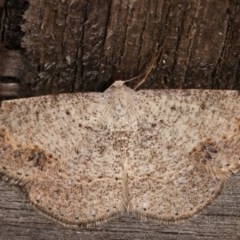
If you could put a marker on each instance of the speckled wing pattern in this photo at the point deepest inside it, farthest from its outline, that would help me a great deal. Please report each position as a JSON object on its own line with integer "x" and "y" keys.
{"x": 86, "y": 157}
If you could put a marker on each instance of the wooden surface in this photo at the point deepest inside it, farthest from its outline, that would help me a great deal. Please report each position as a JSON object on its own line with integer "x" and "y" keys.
{"x": 85, "y": 45}
{"x": 221, "y": 220}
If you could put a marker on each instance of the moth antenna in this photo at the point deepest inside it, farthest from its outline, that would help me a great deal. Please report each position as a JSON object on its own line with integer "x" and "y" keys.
{"x": 146, "y": 75}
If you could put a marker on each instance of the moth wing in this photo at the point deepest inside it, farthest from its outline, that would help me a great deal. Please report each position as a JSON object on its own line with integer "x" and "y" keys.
{"x": 56, "y": 147}
{"x": 187, "y": 144}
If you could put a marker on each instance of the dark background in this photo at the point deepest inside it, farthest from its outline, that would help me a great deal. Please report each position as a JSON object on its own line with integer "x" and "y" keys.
{"x": 72, "y": 46}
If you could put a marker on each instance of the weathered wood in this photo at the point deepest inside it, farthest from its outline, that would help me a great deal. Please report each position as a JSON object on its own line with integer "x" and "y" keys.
{"x": 221, "y": 220}
{"x": 85, "y": 45}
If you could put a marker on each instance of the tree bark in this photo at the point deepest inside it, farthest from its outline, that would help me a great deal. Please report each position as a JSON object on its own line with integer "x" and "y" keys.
{"x": 85, "y": 45}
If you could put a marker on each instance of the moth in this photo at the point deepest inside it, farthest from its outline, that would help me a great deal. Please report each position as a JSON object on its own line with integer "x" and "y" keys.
{"x": 84, "y": 158}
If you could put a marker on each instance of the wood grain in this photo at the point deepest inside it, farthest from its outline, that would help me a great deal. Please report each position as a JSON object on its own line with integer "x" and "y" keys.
{"x": 19, "y": 220}
{"x": 85, "y": 45}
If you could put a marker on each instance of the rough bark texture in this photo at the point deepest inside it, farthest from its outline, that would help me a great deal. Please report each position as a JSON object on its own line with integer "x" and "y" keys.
{"x": 83, "y": 45}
